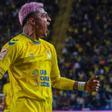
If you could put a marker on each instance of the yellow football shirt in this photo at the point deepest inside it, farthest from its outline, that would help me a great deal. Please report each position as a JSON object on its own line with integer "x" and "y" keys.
{"x": 32, "y": 67}
{"x": 8, "y": 96}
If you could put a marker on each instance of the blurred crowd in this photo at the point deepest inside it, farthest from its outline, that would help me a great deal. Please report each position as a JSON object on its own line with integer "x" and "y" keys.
{"x": 87, "y": 50}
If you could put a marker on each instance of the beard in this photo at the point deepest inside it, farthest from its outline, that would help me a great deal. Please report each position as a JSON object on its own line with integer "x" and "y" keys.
{"x": 42, "y": 31}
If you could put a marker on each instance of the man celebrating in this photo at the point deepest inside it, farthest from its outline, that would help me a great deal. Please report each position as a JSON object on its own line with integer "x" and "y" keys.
{"x": 32, "y": 64}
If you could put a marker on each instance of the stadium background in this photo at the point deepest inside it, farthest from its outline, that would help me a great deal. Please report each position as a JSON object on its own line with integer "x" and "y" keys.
{"x": 81, "y": 30}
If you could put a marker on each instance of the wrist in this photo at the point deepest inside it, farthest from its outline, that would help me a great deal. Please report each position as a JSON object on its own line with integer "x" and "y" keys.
{"x": 75, "y": 87}
{"x": 79, "y": 85}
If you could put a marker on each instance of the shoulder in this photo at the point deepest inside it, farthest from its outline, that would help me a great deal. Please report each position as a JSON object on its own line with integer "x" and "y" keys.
{"x": 50, "y": 46}
{"x": 17, "y": 40}
{"x": 46, "y": 43}
{"x": 14, "y": 44}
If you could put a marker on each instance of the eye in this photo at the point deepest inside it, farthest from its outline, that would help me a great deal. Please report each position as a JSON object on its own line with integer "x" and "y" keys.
{"x": 44, "y": 15}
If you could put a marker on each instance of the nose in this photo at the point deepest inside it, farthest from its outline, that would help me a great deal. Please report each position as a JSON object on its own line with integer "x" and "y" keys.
{"x": 48, "y": 20}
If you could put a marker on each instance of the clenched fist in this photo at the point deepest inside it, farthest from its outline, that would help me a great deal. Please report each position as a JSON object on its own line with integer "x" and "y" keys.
{"x": 92, "y": 85}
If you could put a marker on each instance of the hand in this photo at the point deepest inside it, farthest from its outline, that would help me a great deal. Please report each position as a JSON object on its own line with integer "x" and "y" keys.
{"x": 92, "y": 85}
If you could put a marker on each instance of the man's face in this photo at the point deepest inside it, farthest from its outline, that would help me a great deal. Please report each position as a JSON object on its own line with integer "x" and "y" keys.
{"x": 42, "y": 20}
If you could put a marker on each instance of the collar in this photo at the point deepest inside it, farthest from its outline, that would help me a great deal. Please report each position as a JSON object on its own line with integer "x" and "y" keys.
{"x": 35, "y": 41}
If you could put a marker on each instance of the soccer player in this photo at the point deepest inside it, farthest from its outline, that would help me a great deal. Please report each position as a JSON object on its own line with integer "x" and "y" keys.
{"x": 32, "y": 64}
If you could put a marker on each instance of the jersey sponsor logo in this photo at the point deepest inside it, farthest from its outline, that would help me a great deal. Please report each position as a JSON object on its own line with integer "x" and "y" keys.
{"x": 12, "y": 42}
{"x": 43, "y": 72}
{"x": 3, "y": 53}
{"x": 45, "y": 84}
{"x": 44, "y": 78}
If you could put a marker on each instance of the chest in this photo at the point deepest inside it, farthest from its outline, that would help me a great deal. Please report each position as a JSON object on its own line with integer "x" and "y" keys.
{"x": 35, "y": 56}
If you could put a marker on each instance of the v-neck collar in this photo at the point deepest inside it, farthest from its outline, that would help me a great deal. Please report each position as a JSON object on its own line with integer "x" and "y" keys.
{"x": 35, "y": 41}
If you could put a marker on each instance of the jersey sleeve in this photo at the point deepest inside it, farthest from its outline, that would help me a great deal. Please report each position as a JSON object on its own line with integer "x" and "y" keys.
{"x": 58, "y": 81}
{"x": 5, "y": 89}
{"x": 8, "y": 55}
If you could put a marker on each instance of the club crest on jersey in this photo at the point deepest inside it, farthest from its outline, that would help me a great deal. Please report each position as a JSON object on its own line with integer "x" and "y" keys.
{"x": 12, "y": 42}
{"x": 3, "y": 53}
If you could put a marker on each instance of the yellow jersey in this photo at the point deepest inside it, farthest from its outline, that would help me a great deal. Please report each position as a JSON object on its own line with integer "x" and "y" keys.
{"x": 32, "y": 67}
{"x": 7, "y": 95}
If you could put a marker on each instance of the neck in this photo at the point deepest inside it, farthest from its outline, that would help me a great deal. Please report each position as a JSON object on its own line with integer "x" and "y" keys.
{"x": 29, "y": 31}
